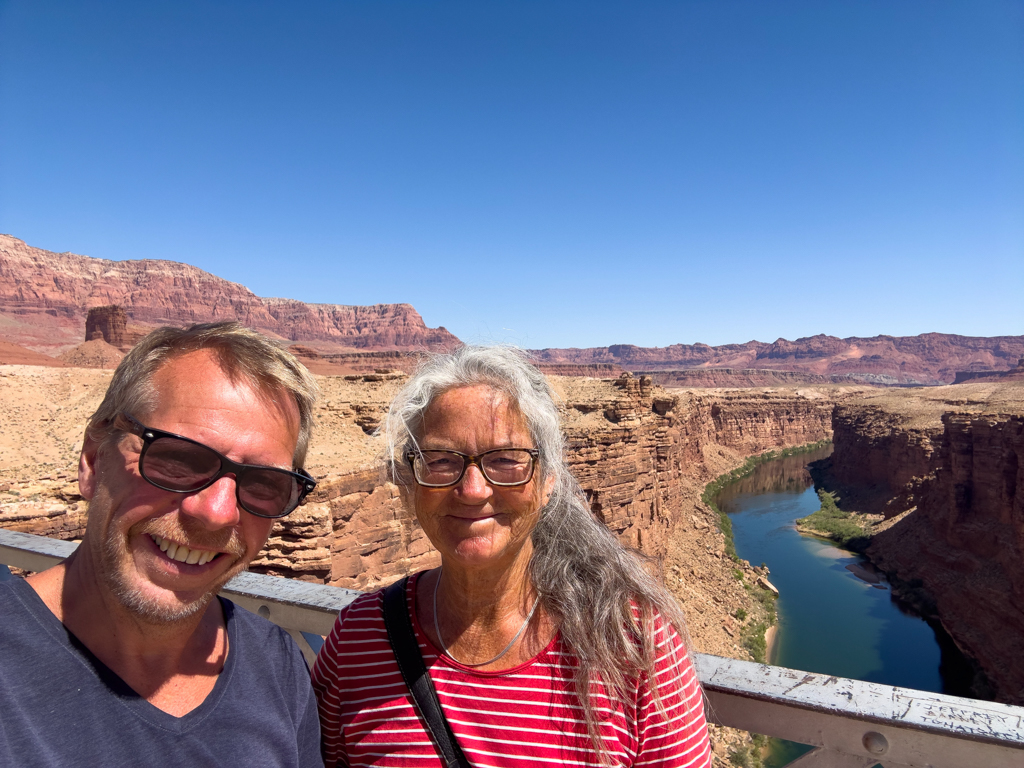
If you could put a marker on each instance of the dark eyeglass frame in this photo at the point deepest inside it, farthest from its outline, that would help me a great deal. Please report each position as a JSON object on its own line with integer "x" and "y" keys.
{"x": 305, "y": 481}
{"x": 468, "y": 460}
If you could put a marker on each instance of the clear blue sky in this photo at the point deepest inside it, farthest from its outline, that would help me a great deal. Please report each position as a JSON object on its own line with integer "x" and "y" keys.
{"x": 542, "y": 173}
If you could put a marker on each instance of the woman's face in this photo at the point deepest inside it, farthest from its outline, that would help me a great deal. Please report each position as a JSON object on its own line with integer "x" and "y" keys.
{"x": 474, "y": 524}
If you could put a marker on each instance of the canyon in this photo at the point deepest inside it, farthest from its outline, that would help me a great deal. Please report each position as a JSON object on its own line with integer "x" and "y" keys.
{"x": 642, "y": 453}
{"x": 945, "y": 467}
{"x": 646, "y": 429}
{"x": 45, "y": 299}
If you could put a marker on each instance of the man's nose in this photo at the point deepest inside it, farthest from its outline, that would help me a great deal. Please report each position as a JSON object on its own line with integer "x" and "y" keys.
{"x": 215, "y": 507}
{"x": 474, "y": 486}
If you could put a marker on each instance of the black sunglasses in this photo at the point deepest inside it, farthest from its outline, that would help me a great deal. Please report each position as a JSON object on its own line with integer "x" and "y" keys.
{"x": 175, "y": 463}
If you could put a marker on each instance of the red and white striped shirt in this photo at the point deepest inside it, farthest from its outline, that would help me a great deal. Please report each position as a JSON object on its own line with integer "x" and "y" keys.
{"x": 519, "y": 717}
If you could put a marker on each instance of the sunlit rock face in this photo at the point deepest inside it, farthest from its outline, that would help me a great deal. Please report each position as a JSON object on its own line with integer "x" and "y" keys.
{"x": 638, "y": 450}
{"x": 947, "y": 466}
{"x": 45, "y": 298}
{"x": 931, "y": 358}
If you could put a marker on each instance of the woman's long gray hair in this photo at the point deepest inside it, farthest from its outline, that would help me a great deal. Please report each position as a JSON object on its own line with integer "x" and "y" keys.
{"x": 604, "y": 596}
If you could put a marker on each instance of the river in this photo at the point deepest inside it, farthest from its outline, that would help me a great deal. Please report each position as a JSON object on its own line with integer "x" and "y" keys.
{"x": 837, "y": 616}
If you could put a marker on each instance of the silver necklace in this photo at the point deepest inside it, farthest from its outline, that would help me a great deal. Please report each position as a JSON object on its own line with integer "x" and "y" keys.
{"x": 444, "y": 648}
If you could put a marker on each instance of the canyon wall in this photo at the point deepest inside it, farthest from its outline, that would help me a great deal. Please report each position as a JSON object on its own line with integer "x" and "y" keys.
{"x": 638, "y": 451}
{"x": 45, "y": 296}
{"x": 951, "y": 463}
{"x": 931, "y": 358}
{"x": 716, "y": 378}
{"x": 642, "y": 454}
{"x": 880, "y": 457}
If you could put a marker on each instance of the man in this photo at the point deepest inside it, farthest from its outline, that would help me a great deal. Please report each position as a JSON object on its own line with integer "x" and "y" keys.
{"x": 122, "y": 655}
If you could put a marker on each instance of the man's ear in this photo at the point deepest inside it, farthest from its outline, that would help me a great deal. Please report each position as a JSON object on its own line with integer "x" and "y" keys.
{"x": 87, "y": 468}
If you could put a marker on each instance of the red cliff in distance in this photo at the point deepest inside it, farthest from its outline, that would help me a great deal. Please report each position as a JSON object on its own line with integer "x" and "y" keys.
{"x": 931, "y": 358}
{"x": 45, "y": 298}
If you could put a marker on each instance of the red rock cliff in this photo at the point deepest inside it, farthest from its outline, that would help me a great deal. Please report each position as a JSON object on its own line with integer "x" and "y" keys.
{"x": 931, "y": 358}
{"x": 44, "y": 297}
{"x": 961, "y": 474}
{"x": 637, "y": 450}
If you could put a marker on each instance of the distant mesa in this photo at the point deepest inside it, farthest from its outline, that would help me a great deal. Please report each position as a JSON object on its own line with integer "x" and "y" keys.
{"x": 983, "y": 375}
{"x": 928, "y": 359}
{"x": 46, "y": 299}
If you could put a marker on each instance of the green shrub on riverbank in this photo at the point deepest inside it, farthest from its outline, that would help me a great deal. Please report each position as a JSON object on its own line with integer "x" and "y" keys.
{"x": 752, "y": 637}
{"x": 711, "y": 489}
{"x": 831, "y": 522}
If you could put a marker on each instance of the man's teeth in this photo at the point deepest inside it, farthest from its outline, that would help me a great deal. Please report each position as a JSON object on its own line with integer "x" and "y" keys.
{"x": 183, "y": 554}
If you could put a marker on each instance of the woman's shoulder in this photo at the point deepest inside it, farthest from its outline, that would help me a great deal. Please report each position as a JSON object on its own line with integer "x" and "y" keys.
{"x": 358, "y": 637}
{"x": 367, "y": 609}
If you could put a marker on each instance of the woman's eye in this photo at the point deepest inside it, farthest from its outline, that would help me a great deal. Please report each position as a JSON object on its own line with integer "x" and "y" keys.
{"x": 440, "y": 463}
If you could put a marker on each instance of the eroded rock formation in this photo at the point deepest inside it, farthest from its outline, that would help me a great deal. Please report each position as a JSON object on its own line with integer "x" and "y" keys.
{"x": 110, "y": 324}
{"x": 44, "y": 298}
{"x": 947, "y": 465}
{"x": 931, "y": 358}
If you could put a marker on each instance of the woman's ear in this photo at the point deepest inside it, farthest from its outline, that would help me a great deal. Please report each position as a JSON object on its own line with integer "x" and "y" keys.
{"x": 547, "y": 490}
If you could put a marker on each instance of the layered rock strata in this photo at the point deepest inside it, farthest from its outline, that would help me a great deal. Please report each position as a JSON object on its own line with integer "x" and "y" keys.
{"x": 947, "y": 466}
{"x": 109, "y": 324}
{"x": 640, "y": 452}
{"x": 931, "y": 358}
{"x": 717, "y": 378}
{"x": 44, "y": 298}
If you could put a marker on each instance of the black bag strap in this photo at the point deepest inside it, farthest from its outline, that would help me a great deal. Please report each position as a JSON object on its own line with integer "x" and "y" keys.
{"x": 414, "y": 672}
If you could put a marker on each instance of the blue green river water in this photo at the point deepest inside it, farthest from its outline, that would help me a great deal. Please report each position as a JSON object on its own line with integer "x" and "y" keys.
{"x": 830, "y": 620}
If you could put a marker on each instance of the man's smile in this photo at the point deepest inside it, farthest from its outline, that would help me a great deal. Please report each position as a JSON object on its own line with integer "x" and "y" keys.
{"x": 182, "y": 553}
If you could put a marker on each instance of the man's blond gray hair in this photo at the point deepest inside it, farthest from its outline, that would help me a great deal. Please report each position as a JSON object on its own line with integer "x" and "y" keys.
{"x": 243, "y": 354}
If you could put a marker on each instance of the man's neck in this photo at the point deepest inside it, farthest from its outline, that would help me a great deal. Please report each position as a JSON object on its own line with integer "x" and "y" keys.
{"x": 173, "y": 665}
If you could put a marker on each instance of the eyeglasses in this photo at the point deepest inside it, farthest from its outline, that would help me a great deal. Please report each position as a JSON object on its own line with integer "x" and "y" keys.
{"x": 175, "y": 463}
{"x": 502, "y": 466}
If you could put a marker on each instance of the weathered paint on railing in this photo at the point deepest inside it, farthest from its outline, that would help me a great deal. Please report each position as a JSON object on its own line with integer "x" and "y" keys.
{"x": 860, "y": 724}
{"x": 852, "y": 723}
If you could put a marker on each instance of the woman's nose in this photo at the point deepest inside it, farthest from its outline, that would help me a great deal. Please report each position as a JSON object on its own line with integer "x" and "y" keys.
{"x": 474, "y": 485}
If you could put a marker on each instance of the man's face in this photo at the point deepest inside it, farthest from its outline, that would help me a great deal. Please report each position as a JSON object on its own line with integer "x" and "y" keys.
{"x": 133, "y": 527}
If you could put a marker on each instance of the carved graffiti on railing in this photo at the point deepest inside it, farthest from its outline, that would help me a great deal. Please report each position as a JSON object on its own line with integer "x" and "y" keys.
{"x": 854, "y": 723}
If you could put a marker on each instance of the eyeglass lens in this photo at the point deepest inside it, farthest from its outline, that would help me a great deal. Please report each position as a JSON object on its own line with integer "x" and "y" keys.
{"x": 502, "y": 467}
{"x": 180, "y": 465}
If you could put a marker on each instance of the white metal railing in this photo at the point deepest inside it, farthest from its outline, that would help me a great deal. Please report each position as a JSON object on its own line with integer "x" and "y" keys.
{"x": 851, "y": 723}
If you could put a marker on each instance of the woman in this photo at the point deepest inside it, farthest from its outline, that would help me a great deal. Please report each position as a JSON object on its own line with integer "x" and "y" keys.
{"x": 545, "y": 639}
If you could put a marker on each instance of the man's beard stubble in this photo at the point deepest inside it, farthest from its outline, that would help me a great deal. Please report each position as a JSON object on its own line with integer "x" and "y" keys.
{"x": 116, "y": 568}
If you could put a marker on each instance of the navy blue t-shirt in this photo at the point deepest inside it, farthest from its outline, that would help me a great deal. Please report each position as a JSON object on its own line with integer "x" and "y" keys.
{"x": 61, "y": 706}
